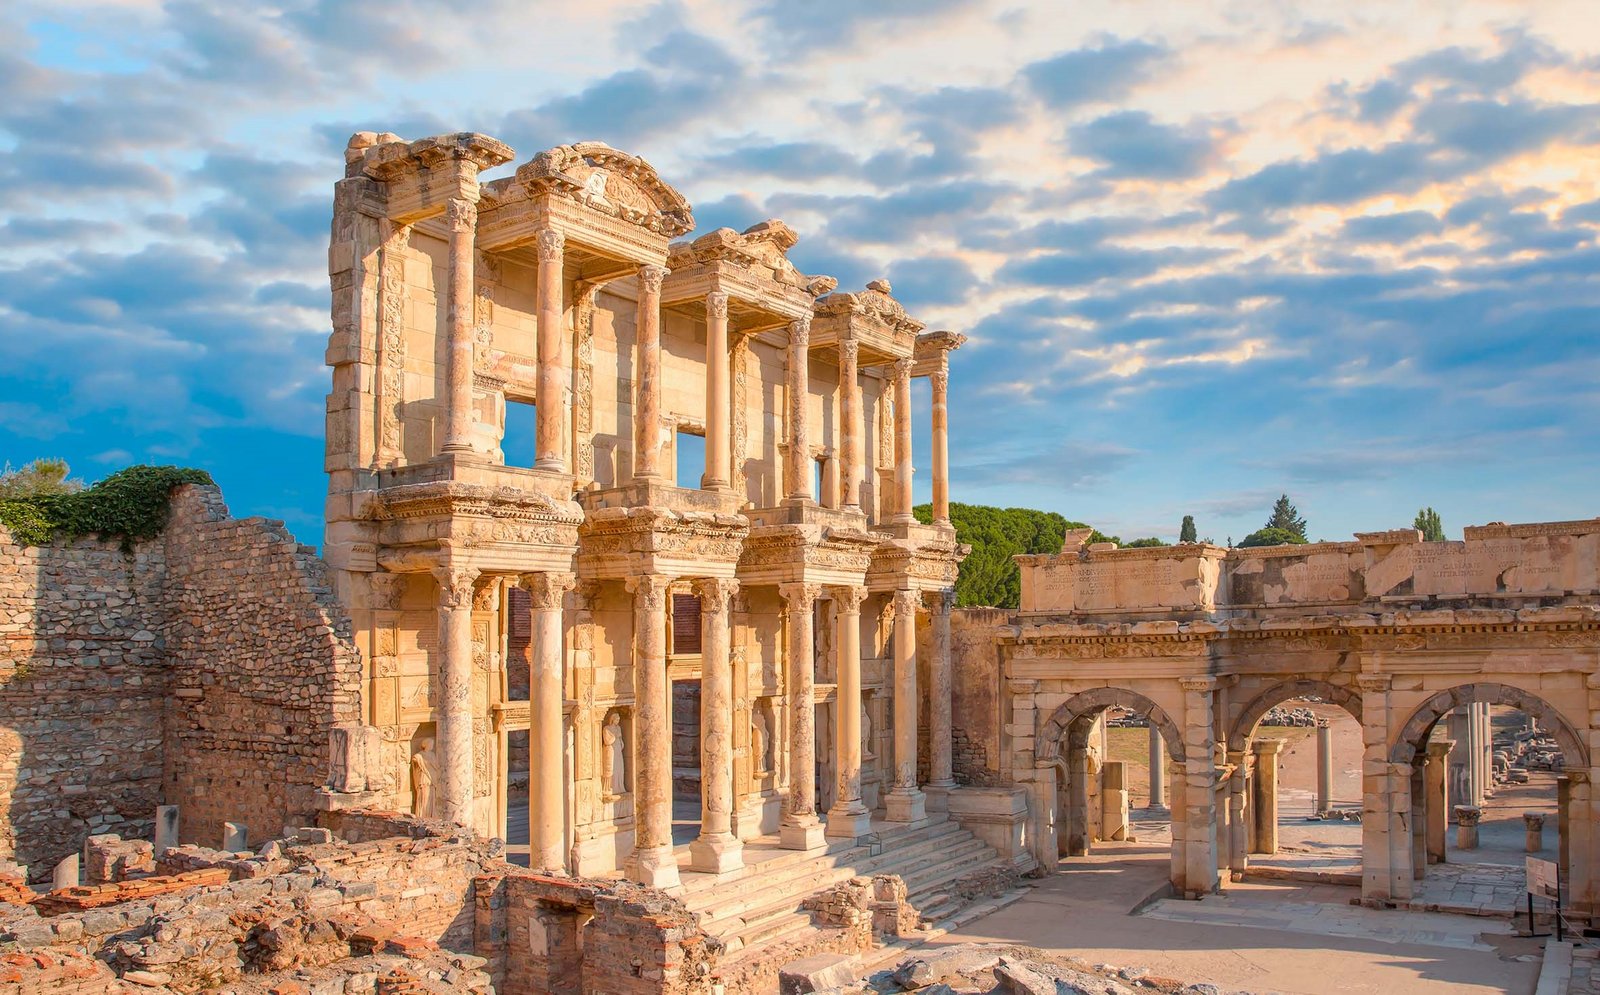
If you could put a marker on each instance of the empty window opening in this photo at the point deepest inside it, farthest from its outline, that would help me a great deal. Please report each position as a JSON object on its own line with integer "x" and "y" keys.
{"x": 522, "y": 425}
{"x": 691, "y": 463}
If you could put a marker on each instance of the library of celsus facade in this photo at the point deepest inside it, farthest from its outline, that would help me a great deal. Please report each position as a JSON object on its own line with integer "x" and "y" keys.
{"x": 521, "y": 368}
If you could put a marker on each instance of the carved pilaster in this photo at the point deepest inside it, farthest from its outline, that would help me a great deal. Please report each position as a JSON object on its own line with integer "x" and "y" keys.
{"x": 391, "y": 343}
{"x": 583, "y": 382}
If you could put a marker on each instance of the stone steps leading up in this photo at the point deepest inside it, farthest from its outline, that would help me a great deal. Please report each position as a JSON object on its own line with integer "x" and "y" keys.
{"x": 762, "y": 904}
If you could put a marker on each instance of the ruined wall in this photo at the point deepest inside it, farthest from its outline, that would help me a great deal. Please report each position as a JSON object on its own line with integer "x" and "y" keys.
{"x": 262, "y": 666}
{"x": 975, "y": 698}
{"x": 81, "y": 686}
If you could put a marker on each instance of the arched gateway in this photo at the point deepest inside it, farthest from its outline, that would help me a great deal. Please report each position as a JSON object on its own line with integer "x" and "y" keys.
{"x": 1398, "y": 632}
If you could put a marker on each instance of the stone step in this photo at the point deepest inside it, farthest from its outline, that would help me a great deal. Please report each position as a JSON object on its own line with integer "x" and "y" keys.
{"x": 807, "y": 879}
{"x": 768, "y": 870}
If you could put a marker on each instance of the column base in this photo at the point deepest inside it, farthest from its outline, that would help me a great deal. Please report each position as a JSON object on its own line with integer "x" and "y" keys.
{"x": 656, "y": 867}
{"x": 937, "y": 795}
{"x": 846, "y": 823}
{"x": 802, "y": 835}
{"x": 718, "y": 853}
{"x": 905, "y": 805}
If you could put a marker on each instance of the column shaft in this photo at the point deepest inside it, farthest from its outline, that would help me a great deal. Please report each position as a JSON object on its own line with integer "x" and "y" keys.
{"x": 1158, "y": 768}
{"x": 1436, "y": 799}
{"x": 797, "y": 469}
{"x": 905, "y": 802}
{"x": 848, "y": 818}
{"x": 801, "y": 829}
{"x": 1266, "y": 794}
{"x": 550, "y": 433}
{"x": 850, "y": 451}
{"x": 547, "y": 740}
{"x": 1199, "y": 788}
{"x": 461, "y": 217}
{"x": 718, "y": 410}
{"x": 941, "y": 444}
{"x": 716, "y": 850}
{"x": 1324, "y": 766}
{"x": 647, "y": 405}
{"x": 903, "y": 469}
{"x": 940, "y": 734}
{"x": 1238, "y": 816}
{"x": 453, "y": 711}
{"x": 652, "y": 862}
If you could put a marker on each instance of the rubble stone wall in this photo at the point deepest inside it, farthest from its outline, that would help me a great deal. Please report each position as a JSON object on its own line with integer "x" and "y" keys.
{"x": 975, "y": 697}
{"x": 262, "y": 667}
{"x": 82, "y": 680}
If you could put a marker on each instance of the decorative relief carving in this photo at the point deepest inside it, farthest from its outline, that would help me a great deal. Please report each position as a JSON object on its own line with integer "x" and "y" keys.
{"x": 939, "y": 602}
{"x": 455, "y": 586}
{"x": 716, "y": 594}
{"x": 391, "y": 343}
{"x": 650, "y": 277}
{"x": 546, "y": 591}
{"x": 551, "y": 242}
{"x": 717, "y": 305}
{"x": 386, "y": 590}
{"x": 799, "y": 598}
{"x": 583, "y": 309}
{"x": 940, "y": 379}
{"x": 848, "y": 599}
{"x": 483, "y": 359}
{"x": 649, "y": 593}
{"x": 460, "y": 215}
{"x": 741, "y": 428}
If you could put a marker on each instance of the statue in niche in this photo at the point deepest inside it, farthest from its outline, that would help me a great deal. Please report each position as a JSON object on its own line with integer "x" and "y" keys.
{"x": 761, "y": 740}
{"x": 614, "y": 757}
{"x": 424, "y": 772}
{"x": 866, "y": 734}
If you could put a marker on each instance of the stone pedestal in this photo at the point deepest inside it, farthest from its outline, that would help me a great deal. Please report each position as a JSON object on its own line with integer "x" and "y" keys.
{"x": 1266, "y": 794}
{"x": 1113, "y": 801}
{"x": 235, "y": 837}
{"x": 166, "y": 828}
{"x": 1534, "y": 823}
{"x": 1467, "y": 817}
{"x": 66, "y": 873}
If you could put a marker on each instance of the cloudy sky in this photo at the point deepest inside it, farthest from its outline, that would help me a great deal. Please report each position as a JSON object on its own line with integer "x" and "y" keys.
{"x": 1205, "y": 252}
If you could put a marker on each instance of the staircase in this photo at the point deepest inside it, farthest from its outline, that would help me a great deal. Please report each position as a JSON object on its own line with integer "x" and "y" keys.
{"x": 761, "y": 903}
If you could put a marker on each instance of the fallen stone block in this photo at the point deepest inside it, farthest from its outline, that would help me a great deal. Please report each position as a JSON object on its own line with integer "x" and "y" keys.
{"x": 816, "y": 973}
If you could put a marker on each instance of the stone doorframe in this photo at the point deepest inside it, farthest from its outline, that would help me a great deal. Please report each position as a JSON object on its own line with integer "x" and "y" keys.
{"x": 1070, "y": 724}
{"x": 1575, "y": 817}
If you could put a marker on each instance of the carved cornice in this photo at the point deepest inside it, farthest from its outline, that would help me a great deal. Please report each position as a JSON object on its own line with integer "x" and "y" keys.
{"x": 568, "y": 171}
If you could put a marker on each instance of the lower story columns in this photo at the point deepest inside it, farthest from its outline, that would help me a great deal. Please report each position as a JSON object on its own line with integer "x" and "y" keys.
{"x": 652, "y": 861}
{"x": 848, "y": 818}
{"x": 547, "y": 738}
{"x": 801, "y": 829}
{"x": 716, "y": 849}
{"x": 453, "y": 710}
{"x": 904, "y": 801}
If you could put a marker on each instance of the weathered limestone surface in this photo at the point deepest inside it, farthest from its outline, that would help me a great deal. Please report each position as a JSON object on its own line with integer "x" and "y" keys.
{"x": 203, "y": 668}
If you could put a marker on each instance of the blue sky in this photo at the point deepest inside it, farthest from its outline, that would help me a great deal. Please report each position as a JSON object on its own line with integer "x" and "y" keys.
{"x": 1205, "y": 252}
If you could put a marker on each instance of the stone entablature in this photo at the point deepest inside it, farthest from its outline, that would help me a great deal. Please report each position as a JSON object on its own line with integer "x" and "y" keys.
{"x": 1494, "y": 565}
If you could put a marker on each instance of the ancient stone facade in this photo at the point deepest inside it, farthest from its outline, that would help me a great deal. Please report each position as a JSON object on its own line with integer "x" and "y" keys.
{"x": 1203, "y": 641}
{"x": 791, "y": 552}
{"x": 203, "y": 669}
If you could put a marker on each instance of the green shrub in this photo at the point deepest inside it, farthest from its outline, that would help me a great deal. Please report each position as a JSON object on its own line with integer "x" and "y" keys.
{"x": 130, "y": 505}
{"x": 1272, "y": 537}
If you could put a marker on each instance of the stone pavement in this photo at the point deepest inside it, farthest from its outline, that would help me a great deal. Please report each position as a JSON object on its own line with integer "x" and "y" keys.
{"x": 1473, "y": 890}
{"x": 1297, "y": 914}
{"x": 1585, "y": 979}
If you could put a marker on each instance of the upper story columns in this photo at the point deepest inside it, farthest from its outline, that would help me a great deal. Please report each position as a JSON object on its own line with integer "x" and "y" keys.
{"x": 718, "y": 475}
{"x": 554, "y": 383}
{"x": 850, "y": 422}
{"x": 796, "y": 469}
{"x": 903, "y": 469}
{"x": 647, "y": 404}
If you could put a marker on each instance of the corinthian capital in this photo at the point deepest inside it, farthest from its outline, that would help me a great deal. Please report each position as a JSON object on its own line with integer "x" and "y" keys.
{"x": 907, "y": 601}
{"x": 848, "y": 599}
{"x": 715, "y": 594}
{"x": 849, "y": 350}
{"x": 717, "y": 304}
{"x": 940, "y": 380}
{"x": 649, "y": 592}
{"x": 455, "y": 586}
{"x": 939, "y": 602}
{"x": 799, "y": 597}
{"x": 547, "y": 591}
{"x": 552, "y": 242}
{"x": 902, "y": 370}
{"x": 650, "y": 277}
{"x": 460, "y": 214}
{"x": 800, "y": 332}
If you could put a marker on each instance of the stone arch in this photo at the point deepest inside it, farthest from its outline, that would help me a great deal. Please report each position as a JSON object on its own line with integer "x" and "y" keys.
{"x": 1239, "y": 737}
{"x": 1060, "y": 723}
{"x": 1427, "y": 714}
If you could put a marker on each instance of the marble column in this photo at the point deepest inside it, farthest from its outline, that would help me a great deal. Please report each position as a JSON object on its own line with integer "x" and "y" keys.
{"x": 797, "y": 466}
{"x": 546, "y": 739}
{"x": 1199, "y": 787}
{"x": 848, "y": 818}
{"x": 1324, "y": 766}
{"x": 554, "y": 385}
{"x": 652, "y": 861}
{"x": 1158, "y": 768}
{"x": 940, "y": 380}
{"x": 1078, "y": 837}
{"x": 1467, "y": 817}
{"x": 717, "y": 849}
{"x": 903, "y": 469}
{"x": 801, "y": 829}
{"x": 461, "y": 219}
{"x": 453, "y": 710}
{"x": 1436, "y": 799}
{"x": 904, "y": 801}
{"x": 1266, "y": 793}
{"x": 718, "y": 407}
{"x": 941, "y": 774}
{"x": 1238, "y": 814}
{"x": 647, "y": 403}
{"x": 850, "y": 420}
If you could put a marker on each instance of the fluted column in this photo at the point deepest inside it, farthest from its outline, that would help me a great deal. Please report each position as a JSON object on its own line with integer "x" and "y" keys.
{"x": 718, "y": 410}
{"x": 940, "y": 379}
{"x": 546, "y": 743}
{"x": 797, "y": 468}
{"x": 453, "y": 710}
{"x": 647, "y": 405}
{"x": 801, "y": 829}
{"x": 902, "y": 443}
{"x": 652, "y": 862}
{"x": 716, "y": 849}
{"x": 852, "y": 432}
{"x": 550, "y": 434}
{"x": 461, "y": 218}
{"x": 905, "y": 802}
{"x": 848, "y": 818}
{"x": 941, "y": 774}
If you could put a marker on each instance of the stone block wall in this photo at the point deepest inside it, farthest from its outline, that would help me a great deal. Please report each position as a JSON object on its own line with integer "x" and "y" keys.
{"x": 262, "y": 666}
{"x": 976, "y": 699}
{"x": 82, "y": 681}
{"x": 203, "y": 669}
